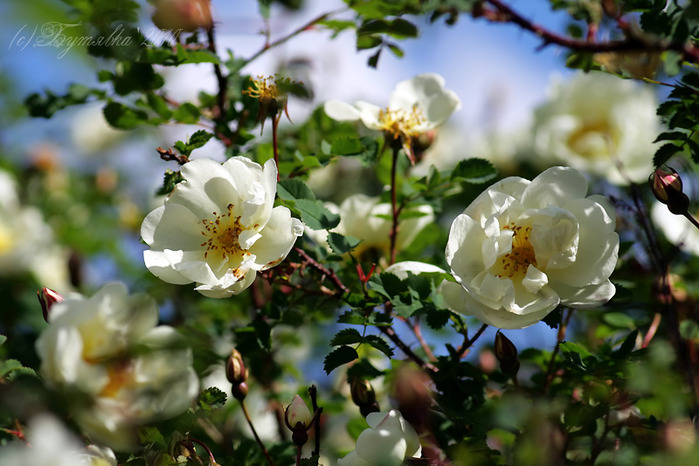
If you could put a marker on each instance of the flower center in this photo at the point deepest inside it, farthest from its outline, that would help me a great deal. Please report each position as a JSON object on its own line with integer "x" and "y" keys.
{"x": 401, "y": 122}
{"x": 119, "y": 373}
{"x": 262, "y": 88}
{"x": 593, "y": 139}
{"x": 222, "y": 233}
{"x": 517, "y": 261}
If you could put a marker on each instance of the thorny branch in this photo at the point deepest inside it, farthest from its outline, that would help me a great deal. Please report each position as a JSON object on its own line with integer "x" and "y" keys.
{"x": 504, "y": 13}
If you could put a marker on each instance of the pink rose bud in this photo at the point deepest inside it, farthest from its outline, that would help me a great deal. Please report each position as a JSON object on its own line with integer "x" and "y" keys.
{"x": 47, "y": 298}
{"x": 667, "y": 188}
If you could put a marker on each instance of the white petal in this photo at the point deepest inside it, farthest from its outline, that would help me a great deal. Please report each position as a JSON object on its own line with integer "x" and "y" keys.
{"x": 172, "y": 226}
{"x": 160, "y": 266}
{"x": 555, "y": 186}
{"x": 278, "y": 237}
{"x": 401, "y": 269}
{"x": 597, "y": 249}
{"x": 341, "y": 111}
{"x": 585, "y": 297}
{"x": 464, "y": 235}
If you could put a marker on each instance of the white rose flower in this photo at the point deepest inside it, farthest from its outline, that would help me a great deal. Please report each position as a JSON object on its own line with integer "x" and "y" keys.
{"x": 388, "y": 441}
{"x": 676, "y": 228}
{"x": 365, "y": 218}
{"x": 50, "y": 443}
{"x": 109, "y": 348}
{"x": 601, "y": 124}
{"x": 522, "y": 248}
{"x": 416, "y": 106}
{"x": 219, "y": 227}
{"x": 26, "y": 241}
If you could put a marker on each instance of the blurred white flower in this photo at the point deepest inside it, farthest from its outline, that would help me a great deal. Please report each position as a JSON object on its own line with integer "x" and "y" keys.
{"x": 90, "y": 131}
{"x": 416, "y": 106}
{"x": 109, "y": 348}
{"x": 26, "y": 241}
{"x": 676, "y": 228}
{"x": 522, "y": 247}
{"x": 601, "y": 124}
{"x": 388, "y": 441}
{"x": 50, "y": 443}
{"x": 368, "y": 219}
{"x": 219, "y": 227}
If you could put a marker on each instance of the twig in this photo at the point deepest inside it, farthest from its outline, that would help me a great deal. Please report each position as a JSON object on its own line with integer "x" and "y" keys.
{"x": 561, "y": 336}
{"x": 313, "y": 392}
{"x": 425, "y": 347}
{"x": 651, "y": 330}
{"x": 504, "y": 13}
{"x": 391, "y": 334}
{"x": 468, "y": 343}
{"x": 208, "y": 451}
{"x": 291, "y": 35}
{"x": 254, "y": 433}
{"x": 393, "y": 235}
{"x": 325, "y": 271}
{"x": 221, "y": 79}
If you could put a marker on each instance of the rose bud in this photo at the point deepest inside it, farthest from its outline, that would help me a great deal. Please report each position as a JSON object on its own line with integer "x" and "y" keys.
{"x": 667, "y": 188}
{"x": 47, "y": 298}
{"x": 506, "y": 352}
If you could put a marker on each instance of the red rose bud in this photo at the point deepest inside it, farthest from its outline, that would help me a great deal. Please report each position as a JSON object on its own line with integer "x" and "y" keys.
{"x": 47, "y": 298}
{"x": 236, "y": 372}
{"x": 667, "y": 188}
{"x": 506, "y": 352}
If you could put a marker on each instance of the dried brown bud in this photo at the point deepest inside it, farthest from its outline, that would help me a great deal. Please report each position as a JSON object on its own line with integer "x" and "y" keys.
{"x": 236, "y": 372}
{"x": 47, "y": 298}
{"x": 667, "y": 188}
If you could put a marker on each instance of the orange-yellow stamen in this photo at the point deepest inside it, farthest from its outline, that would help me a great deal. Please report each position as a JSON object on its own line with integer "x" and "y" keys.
{"x": 222, "y": 233}
{"x": 517, "y": 261}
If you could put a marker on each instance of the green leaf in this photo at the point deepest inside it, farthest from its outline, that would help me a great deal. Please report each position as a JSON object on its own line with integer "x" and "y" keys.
{"x": 315, "y": 215}
{"x": 368, "y": 42}
{"x": 437, "y": 318}
{"x": 664, "y": 153}
{"x": 380, "y": 344}
{"x": 347, "y": 336}
{"x": 187, "y": 113}
{"x": 211, "y": 398}
{"x": 346, "y": 146}
{"x": 151, "y": 436}
{"x": 338, "y": 357}
{"x": 170, "y": 180}
{"x": 618, "y": 319}
{"x": 199, "y": 139}
{"x": 474, "y": 170}
{"x": 292, "y": 189}
{"x": 627, "y": 346}
{"x": 122, "y": 117}
{"x": 401, "y": 28}
{"x": 341, "y": 244}
{"x": 373, "y": 60}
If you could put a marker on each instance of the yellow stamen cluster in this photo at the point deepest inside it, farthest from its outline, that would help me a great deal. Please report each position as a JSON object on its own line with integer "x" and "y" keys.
{"x": 120, "y": 376}
{"x": 263, "y": 88}
{"x": 517, "y": 261}
{"x": 400, "y": 122}
{"x": 222, "y": 233}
